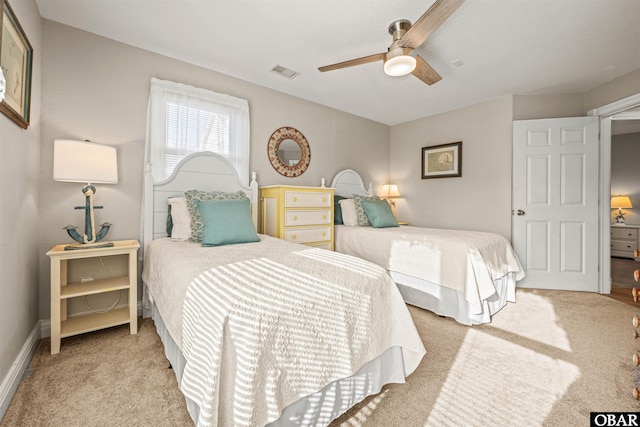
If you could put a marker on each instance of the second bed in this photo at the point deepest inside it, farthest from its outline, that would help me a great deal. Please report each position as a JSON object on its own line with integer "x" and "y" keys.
{"x": 466, "y": 275}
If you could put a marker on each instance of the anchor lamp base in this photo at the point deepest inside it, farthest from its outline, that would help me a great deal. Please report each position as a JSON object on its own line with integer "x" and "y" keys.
{"x": 89, "y": 240}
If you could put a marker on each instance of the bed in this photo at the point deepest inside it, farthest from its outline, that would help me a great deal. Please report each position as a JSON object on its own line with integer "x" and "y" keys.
{"x": 466, "y": 275}
{"x": 268, "y": 332}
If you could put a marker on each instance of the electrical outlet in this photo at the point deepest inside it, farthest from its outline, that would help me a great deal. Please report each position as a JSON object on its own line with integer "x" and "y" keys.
{"x": 86, "y": 279}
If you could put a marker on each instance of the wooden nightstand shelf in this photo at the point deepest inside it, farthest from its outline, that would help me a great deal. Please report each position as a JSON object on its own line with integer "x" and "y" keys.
{"x": 62, "y": 291}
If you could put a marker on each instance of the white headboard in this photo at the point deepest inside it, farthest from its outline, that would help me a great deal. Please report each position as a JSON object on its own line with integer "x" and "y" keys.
{"x": 348, "y": 182}
{"x": 203, "y": 171}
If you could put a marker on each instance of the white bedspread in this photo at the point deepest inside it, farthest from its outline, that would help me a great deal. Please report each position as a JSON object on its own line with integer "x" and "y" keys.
{"x": 467, "y": 261}
{"x": 264, "y": 324}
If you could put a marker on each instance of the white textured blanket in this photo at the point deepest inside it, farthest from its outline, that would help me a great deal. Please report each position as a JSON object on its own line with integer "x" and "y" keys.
{"x": 467, "y": 261}
{"x": 264, "y": 324}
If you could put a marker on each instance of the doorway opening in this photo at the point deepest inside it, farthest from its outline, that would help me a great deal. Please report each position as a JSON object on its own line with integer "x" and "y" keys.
{"x": 614, "y": 118}
{"x": 625, "y": 191}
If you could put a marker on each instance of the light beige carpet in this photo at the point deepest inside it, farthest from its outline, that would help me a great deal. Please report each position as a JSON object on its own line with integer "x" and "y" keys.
{"x": 547, "y": 360}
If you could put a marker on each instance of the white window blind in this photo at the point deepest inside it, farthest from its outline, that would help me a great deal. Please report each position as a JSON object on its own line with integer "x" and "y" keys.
{"x": 184, "y": 119}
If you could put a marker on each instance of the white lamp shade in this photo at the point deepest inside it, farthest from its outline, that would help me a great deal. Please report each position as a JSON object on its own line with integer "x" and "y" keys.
{"x": 390, "y": 190}
{"x": 79, "y": 161}
{"x": 621, "y": 202}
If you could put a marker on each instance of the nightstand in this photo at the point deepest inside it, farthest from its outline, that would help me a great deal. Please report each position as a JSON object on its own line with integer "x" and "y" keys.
{"x": 62, "y": 291}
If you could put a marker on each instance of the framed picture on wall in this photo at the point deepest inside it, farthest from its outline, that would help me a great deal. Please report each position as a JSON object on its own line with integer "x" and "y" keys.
{"x": 16, "y": 60}
{"x": 442, "y": 161}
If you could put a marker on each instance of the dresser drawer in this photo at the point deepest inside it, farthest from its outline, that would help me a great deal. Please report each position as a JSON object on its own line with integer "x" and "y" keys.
{"x": 306, "y": 235}
{"x": 315, "y": 217}
{"x": 623, "y": 246}
{"x": 622, "y": 233}
{"x": 305, "y": 199}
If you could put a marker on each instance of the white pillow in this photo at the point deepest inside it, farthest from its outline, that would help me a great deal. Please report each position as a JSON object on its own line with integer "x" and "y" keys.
{"x": 349, "y": 215}
{"x": 180, "y": 218}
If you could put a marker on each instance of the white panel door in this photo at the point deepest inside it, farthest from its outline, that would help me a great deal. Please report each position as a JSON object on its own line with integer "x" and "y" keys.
{"x": 555, "y": 202}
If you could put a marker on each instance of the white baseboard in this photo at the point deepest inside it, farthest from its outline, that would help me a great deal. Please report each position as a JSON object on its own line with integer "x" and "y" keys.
{"x": 10, "y": 383}
{"x": 45, "y": 328}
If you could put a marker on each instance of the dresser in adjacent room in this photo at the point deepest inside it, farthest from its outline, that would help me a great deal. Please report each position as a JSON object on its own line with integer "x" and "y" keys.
{"x": 298, "y": 214}
{"x": 624, "y": 240}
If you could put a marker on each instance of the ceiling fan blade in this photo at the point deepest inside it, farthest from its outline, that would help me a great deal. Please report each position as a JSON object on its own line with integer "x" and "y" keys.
{"x": 424, "y": 72}
{"x": 351, "y": 63}
{"x": 429, "y": 22}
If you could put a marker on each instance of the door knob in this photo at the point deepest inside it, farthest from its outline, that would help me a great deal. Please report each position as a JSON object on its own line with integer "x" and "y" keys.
{"x": 519, "y": 212}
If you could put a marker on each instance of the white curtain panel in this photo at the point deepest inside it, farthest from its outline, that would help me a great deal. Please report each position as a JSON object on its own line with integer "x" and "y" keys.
{"x": 183, "y": 119}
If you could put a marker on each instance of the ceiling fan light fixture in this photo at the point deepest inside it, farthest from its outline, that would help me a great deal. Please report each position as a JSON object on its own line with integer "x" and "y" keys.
{"x": 399, "y": 63}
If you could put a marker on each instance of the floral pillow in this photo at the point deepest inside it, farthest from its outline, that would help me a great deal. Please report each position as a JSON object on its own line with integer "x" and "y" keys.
{"x": 193, "y": 197}
{"x": 363, "y": 219}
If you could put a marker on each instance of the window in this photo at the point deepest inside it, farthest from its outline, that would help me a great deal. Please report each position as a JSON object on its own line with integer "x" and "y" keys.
{"x": 184, "y": 120}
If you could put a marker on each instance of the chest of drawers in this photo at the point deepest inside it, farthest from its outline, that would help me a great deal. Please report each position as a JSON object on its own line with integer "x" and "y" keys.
{"x": 298, "y": 214}
{"x": 624, "y": 240}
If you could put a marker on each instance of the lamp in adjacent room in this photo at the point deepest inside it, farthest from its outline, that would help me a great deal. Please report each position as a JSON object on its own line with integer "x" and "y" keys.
{"x": 89, "y": 163}
{"x": 620, "y": 202}
{"x": 389, "y": 192}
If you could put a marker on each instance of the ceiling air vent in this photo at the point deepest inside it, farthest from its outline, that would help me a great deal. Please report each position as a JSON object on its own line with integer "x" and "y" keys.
{"x": 285, "y": 72}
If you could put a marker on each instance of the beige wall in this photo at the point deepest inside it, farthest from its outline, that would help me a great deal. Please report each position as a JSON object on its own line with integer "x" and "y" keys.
{"x": 98, "y": 89}
{"x": 612, "y": 91}
{"x": 478, "y": 200}
{"x": 19, "y": 191}
{"x": 530, "y": 107}
{"x": 481, "y": 198}
{"x": 625, "y": 173}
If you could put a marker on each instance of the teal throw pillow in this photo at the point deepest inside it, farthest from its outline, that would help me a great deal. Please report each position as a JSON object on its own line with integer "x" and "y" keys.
{"x": 169, "y": 222}
{"x": 195, "y": 196}
{"x": 337, "y": 210}
{"x": 363, "y": 219}
{"x": 379, "y": 213}
{"x": 227, "y": 222}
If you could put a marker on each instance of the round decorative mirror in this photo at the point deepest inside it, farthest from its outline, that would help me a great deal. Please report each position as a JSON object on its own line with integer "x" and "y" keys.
{"x": 289, "y": 152}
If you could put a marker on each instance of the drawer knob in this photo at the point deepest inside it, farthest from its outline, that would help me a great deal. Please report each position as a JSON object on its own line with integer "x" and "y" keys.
{"x": 324, "y": 199}
{"x": 295, "y": 199}
{"x": 324, "y": 234}
{"x": 293, "y": 236}
{"x": 324, "y": 217}
{"x": 295, "y": 218}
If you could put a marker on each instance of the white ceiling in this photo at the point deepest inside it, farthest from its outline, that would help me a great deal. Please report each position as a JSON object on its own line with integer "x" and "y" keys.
{"x": 506, "y": 46}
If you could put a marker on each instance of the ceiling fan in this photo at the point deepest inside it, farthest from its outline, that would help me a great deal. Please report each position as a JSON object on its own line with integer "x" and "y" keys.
{"x": 398, "y": 60}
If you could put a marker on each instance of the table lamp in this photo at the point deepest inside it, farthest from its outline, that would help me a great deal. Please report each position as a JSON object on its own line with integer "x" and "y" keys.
{"x": 390, "y": 191}
{"x": 90, "y": 163}
{"x": 620, "y": 202}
